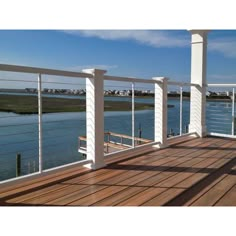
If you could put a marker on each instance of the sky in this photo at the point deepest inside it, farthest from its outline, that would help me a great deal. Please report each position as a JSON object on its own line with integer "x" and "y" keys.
{"x": 135, "y": 53}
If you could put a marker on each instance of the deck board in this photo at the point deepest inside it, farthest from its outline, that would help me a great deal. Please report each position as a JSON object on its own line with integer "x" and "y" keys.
{"x": 194, "y": 172}
{"x": 228, "y": 199}
{"x": 216, "y": 192}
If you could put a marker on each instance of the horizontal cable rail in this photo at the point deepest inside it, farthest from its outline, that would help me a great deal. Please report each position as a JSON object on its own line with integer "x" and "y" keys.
{"x": 221, "y": 85}
{"x": 26, "y": 141}
{"x": 221, "y": 115}
{"x": 15, "y": 134}
{"x": 19, "y": 80}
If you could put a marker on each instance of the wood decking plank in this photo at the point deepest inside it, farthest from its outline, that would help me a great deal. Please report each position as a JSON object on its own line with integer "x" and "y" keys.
{"x": 120, "y": 196}
{"x": 66, "y": 199}
{"x": 229, "y": 199}
{"x": 42, "y": 199}
{"x": 142, "y": 197}
{"x": 148, "y": 177}
{"x": 216, "y": 192}
{"x": 198, "y": 176}
{"x": 180, "y": 176}
{"x": 156, "y": 178}
{"x": 138, "y": 170}
{"x": 164, "y": 197}
{"x": 98, "y": 196}
{"x": 205, "y": 163}
{"x": 188, "y": 182}
{"x": 40, "y": 181}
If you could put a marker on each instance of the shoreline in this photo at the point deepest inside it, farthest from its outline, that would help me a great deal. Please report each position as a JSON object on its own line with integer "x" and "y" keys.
{"x": 26, "y": 105}
{"x": 23, "y": 93}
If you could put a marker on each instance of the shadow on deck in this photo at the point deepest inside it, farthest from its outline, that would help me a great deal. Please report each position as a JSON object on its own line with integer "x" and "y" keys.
{"x": 198, "y": 172}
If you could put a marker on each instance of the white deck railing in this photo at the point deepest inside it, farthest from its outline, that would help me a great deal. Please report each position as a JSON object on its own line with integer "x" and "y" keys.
{"x": 221, "y": 120}
{"x": 95, "y": 112}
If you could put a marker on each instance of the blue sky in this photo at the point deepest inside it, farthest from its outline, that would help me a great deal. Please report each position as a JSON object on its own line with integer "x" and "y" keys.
{"x": 136, "y": 53}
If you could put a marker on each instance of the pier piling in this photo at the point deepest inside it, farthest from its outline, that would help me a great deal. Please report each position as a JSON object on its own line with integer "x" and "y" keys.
{"x": 18, "y": 164}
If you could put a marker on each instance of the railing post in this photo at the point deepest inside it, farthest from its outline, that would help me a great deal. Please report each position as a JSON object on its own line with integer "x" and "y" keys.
{"x": 160, "y": 111}
{"x": 40, "y": 123}
{"x": 95, "y": 118}
{"x": 133, "y": 117}
{"x": 233, "y": 116}
{"x": 198, "y": 76}
{"x": 181, "y": 112}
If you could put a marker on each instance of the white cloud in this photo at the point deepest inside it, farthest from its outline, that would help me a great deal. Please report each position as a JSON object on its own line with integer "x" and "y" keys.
{"x": 225, "y": 46}
{"x": 160, "y": 38}
{"x": 148, "y": 37}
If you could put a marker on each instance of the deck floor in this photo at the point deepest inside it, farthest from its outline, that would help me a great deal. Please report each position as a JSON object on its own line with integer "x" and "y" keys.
{"x": 193, "y": 172}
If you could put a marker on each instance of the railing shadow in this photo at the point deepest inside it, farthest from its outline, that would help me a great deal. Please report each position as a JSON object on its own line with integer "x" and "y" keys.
{"x": 167, "y": 168}
{"x": 189, "y": 193}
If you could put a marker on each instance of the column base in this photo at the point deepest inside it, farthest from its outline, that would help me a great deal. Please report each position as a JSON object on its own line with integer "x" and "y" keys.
{"x": 160, "y": 145}
{"x": 200, "y": 131}
{"x": 94, "y": 166}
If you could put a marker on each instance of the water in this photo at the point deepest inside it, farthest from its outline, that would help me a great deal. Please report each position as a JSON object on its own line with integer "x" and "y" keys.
{"x": 19, "y": 133}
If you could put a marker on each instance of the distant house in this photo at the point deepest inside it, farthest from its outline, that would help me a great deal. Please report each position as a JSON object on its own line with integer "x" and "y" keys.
{"x": 208, "y": 93}
{"x": 124, "y": 93}
{"x": 31, "y": 90}
{"x": 222, "y": 93}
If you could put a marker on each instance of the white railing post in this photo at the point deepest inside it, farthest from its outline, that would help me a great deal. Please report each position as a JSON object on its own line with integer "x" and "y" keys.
{"x": 133, "y": 117}
{"x": 95, "y": 118}
{"x": 198, "y": 77}
{"x": 160, "y": 111}
{"x": 181, "y": 111}
{"x": 40, "y": 123}
{"x": 233, "y": 116}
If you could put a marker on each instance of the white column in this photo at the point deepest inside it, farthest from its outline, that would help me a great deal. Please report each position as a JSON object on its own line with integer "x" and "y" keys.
{"x": 95, "y": 118}
{"x": 160, "y": 111}
{"x": 198, "y": 76}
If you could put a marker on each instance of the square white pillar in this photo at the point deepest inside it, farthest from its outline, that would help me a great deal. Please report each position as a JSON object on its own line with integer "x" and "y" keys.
{"x": 198, "y": 76}
{"x": 160, "y": 111}
{"x": 95, "y": 118}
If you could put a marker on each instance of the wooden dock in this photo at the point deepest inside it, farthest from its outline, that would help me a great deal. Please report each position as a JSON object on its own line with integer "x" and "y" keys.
{"x": 191, "y": 172}
{"x": 114, "y": 142}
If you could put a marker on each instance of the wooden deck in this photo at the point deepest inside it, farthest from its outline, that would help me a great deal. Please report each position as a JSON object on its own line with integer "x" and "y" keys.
{"x": 192, "y": 172}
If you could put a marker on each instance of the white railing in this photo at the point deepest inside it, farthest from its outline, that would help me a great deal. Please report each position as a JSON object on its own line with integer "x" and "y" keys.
{"x": 180, "y": 113}
{"x": 40, "y": 72}
{"x": 95, "y": 112}
{"x": 222, "y": 114}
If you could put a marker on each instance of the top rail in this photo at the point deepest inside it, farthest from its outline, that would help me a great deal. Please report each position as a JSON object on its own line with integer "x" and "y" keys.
{"x": 221, "y": 85}
{"x": 36, "y": 70}
{"x": 129, "y": 79}
{"x": 180, "y": 83}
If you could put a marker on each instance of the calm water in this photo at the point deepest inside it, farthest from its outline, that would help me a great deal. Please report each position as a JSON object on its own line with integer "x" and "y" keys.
{"x": 19, "y": 133}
